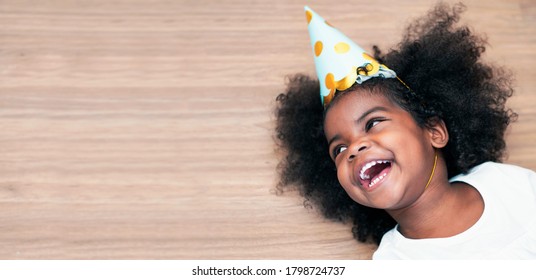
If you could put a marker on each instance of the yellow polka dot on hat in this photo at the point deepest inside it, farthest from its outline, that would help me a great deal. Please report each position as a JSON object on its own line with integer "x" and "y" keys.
{"x": 339, "y": 61}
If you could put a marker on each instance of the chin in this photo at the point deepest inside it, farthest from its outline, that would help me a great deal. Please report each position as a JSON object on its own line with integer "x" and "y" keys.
{"x": 381, "y": 199}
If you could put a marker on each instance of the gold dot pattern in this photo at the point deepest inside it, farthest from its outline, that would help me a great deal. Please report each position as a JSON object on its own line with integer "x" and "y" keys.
{"x": 330, "y": 81}
{"x": 309, "y": 16}
{"x": 318, "y": 48}
{"x": 331, "y": 84}
{"x": 343, "y": 84}
{"x": 342, "y": 47}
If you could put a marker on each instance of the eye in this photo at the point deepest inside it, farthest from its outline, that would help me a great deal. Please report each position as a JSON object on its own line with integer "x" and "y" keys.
{"x": 372, "y": 123}
{"x": 339, "y": 149}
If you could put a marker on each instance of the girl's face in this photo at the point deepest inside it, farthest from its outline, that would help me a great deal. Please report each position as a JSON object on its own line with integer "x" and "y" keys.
{"x": 383, "y": 157}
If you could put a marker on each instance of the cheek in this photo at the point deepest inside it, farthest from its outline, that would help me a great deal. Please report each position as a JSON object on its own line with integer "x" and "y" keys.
{"x": 353, "y": 191}
{"x": 343, "y": 175}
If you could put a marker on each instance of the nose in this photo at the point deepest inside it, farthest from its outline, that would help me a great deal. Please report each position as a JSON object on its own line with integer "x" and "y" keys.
{"x": 357, "y": 148}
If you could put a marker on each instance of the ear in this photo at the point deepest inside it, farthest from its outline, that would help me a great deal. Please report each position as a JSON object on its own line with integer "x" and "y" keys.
{"x": 439, "y": 135}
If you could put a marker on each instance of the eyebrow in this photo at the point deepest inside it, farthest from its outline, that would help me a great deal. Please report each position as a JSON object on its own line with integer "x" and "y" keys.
{"x": 372, "y": 110}
{"x": 359, "y": 120}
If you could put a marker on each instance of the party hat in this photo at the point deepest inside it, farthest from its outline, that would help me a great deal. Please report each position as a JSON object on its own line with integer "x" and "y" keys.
{"x": 339, "y": 62}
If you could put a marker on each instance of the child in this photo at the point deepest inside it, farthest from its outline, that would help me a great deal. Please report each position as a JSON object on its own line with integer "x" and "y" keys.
{"x": 406, "y": 144}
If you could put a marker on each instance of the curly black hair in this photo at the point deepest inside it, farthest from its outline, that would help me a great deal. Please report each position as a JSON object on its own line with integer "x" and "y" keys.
{"x": 442, "y": 65}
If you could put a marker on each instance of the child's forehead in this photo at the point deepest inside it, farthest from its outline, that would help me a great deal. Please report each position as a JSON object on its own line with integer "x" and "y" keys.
{"x": 358, "y": 104}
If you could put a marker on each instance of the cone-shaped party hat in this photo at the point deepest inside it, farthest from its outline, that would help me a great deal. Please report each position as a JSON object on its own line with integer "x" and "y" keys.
{"x": 339, "y": 62}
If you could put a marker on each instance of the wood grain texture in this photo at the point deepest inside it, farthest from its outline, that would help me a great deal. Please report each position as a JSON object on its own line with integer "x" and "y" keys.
{"x": 143, "y": 129}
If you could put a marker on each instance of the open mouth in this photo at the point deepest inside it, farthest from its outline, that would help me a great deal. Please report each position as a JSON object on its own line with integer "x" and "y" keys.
{"x": 373, "y": 172}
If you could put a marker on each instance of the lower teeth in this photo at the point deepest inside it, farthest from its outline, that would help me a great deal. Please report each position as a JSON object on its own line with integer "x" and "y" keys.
{"x": 377, "y": 180}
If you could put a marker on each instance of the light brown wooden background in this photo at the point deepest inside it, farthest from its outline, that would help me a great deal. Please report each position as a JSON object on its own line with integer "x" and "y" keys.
{"x": 143, "y": 130}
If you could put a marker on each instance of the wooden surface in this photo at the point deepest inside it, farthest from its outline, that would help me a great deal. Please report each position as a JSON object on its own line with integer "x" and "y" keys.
{"x": 138, "y": 129}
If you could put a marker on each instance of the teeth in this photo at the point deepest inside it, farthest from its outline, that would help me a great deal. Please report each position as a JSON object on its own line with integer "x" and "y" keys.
{"x": 366, "y": 167}
{"x": 377, "y": 180}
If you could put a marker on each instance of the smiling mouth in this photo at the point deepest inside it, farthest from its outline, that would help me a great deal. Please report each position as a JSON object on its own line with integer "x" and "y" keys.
{"x": 373, "y": 172}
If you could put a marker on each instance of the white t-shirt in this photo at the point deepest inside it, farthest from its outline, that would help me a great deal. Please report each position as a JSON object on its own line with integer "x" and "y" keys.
{"x": 506, "y": 229}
